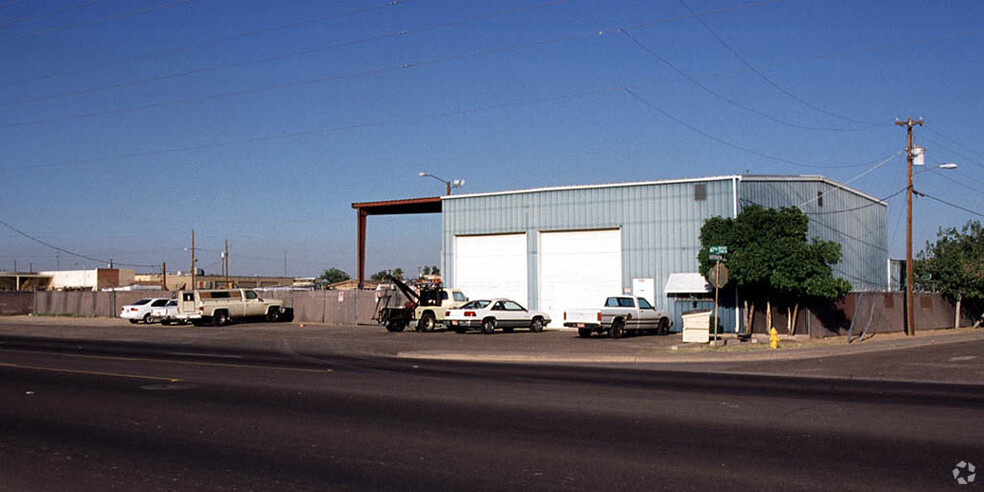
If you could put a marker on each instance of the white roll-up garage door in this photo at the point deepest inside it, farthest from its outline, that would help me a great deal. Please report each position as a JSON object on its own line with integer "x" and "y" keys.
{"x": 578, "y": 269}
{"x": 491, "y": 266}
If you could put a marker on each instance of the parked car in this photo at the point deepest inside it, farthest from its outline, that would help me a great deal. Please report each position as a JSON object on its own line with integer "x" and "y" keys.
{"x": 167, "y": 314}
{"x": 618, "y": 315}
{"x": 141, "y": 310}
{"x": 487, "y": 315}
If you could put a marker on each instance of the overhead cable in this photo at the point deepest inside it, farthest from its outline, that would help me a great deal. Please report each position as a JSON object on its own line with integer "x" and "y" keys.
{"x": 732, "y": 102}
{"x": 762, "y": 75}
{"x": 727, "y": 143}
{"x": 68, "y": 252}
{"x": 87, "y": 23}
{"x": 207, "y": 44}
{"x": 282, "y": 56}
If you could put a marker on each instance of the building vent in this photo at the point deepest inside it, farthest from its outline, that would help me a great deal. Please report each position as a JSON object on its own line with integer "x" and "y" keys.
{"x": 819, "y": 199}
{"x": 700, "y": 192}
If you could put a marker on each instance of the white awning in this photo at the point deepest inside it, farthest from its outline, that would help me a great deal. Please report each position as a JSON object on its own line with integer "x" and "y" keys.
{"x": 687, "y": 283}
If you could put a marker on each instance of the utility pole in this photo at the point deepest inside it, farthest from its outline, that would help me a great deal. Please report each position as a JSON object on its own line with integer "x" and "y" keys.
{"x": 193, "y": 286}
{"x": 225, "y": 264}
{"x": 163, "y": 275}
{"x": 910, "y": 313}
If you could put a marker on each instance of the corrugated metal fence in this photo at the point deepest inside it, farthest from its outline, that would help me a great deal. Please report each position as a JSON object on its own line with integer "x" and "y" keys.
{"x": 342, "y": 307}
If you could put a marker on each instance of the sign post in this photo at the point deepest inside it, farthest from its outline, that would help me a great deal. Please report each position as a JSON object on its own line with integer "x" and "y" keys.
{"x": 719, "y": 278}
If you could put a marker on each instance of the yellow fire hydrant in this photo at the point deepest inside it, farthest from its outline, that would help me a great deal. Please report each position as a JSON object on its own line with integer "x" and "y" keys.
{"x": 773, "y": 338}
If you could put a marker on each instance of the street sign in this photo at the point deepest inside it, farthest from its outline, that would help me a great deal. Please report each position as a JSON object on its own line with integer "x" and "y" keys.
{"x": 718, "y": 275}
{"x": 718, "y": 250}
{"x": 716, "y": 258}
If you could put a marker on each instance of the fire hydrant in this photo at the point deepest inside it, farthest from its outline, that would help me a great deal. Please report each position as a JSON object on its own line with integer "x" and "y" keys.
{"x": 773, "y": 338}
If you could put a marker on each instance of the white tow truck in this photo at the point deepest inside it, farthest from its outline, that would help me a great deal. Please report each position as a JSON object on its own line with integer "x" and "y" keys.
{"x": 620, "y": 313}
{"x": 219, "y": 306}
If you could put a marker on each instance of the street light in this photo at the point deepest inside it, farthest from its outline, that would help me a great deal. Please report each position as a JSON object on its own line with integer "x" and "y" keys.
{"x": 457, "y": 183}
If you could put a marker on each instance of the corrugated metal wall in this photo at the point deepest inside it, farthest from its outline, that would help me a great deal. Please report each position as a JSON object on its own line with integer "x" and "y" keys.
{"x": 660, "y": 224}
{"x": 855, "y": 221}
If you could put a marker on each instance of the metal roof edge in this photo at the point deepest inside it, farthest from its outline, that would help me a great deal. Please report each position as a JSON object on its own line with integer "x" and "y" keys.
{"x": 810, "y": 177}
{"x": 728, "y": 177}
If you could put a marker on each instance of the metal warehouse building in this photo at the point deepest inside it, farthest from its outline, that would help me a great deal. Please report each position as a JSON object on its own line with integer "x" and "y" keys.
{"x": 565, "y": 247}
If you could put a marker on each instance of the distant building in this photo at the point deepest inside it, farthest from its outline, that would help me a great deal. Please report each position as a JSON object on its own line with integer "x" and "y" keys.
{"x": 182, "y": 281}
{"x": 92, "y": 280}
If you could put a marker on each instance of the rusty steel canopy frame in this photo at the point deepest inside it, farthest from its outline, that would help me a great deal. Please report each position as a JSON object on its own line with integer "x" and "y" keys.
{"x": 430, "y": 205}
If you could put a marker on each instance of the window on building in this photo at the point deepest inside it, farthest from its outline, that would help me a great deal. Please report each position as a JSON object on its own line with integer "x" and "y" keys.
{"x": 700, "y": 192}
{"x": 819, "y": 199}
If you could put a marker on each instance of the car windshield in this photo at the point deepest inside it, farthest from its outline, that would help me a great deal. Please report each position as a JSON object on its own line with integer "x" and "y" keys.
{"x": 171, "y": 303}
{"x": 476, "y": 304}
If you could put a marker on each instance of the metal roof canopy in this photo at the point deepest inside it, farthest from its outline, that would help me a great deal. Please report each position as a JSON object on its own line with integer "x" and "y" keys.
{"x": 429, "y": 205}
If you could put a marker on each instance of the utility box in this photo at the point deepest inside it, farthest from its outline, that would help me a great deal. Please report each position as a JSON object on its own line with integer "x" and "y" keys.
{"x": 696, "y": 326}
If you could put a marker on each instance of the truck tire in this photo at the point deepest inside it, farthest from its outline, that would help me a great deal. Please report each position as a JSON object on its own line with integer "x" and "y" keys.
{"x": 427, "y": 322}
{"x": 537, "y": 325}
{"x": 617, "y": 330}
{"x": 273, "y": 315}
{"x": 488, "y": 326}
{"x": 584, "y": 332}
{"x": 394, "y": 326}
{"x": 220, "y": 318}
{"x": 664, "y": 327}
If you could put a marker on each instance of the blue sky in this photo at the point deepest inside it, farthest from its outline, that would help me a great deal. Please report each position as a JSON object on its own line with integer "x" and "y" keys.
{"x": 126, "y": 124}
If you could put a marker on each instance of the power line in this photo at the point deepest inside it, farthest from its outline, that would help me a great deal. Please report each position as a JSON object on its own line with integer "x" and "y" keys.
{"x": 282, "y": 56}
{"x": 762, "y": 75}
{"x": 965, "y": 147}
{"x": 376, "y": 71}
{"x": 958, "y": 207}
{"x": 725, "y": 142}
{"x": 855, "y": 209}
{"x": 322, "y": 131}
{"x": 207, "y": 44}
{"x": 71, "y": 253}
{"x": 730, "y": 101}
{"x": 124, "y": 15}
{"x": 51, "y": 12}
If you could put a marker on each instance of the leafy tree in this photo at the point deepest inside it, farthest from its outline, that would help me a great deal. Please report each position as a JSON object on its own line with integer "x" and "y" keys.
{"x": 334, "y": 275}
{"x": 426, "y": 270}
{"x": 435, "y": 270}
{"x": 381, "y": 275}
{"x": 769, "y": 258}
{"x": 954, "y": 266}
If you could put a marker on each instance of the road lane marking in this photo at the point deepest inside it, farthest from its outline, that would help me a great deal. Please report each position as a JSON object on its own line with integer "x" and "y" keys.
{"x": 90, "y": 373}
{"x": 166, "y": 361}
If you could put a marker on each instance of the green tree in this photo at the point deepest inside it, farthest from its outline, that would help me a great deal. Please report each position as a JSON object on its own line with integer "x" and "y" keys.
{"x": 954, "y": 266}
{"x": 334, "y": 275}
{"x": 382, "y": 274}
{"x": 435, "y": 270}
{"x": 426, "y": 270}
{"x": 769, "y": 258}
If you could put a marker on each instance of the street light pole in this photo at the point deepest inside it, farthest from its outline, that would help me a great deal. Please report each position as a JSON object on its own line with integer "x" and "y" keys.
{"x": 910, "y": 313}
{"x": 457, "y": 183}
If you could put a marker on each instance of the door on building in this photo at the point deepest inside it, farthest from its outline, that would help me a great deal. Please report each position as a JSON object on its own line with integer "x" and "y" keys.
{"x": 490, "y": 266}
{"x": 578, "y": 269}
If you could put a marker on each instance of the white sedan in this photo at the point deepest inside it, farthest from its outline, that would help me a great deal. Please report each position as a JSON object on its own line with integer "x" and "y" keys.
{"x": 487, "y": 315}
{"x": 167, "y": 314}
{"x": 141, "y": 310}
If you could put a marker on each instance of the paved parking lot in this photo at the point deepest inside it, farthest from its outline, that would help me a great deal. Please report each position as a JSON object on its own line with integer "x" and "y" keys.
{"x": 948, "y": 355}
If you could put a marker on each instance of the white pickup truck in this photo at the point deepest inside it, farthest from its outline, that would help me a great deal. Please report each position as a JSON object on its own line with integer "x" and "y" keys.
{"x": 620, "y": 313}
{"x": 219, "y": 306}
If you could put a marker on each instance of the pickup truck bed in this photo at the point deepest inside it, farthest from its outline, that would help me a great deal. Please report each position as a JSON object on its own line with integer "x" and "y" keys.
{"x": 618, "y": 315}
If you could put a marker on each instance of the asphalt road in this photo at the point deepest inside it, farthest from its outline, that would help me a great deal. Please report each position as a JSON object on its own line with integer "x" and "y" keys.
{"x": 125, "y": 416}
